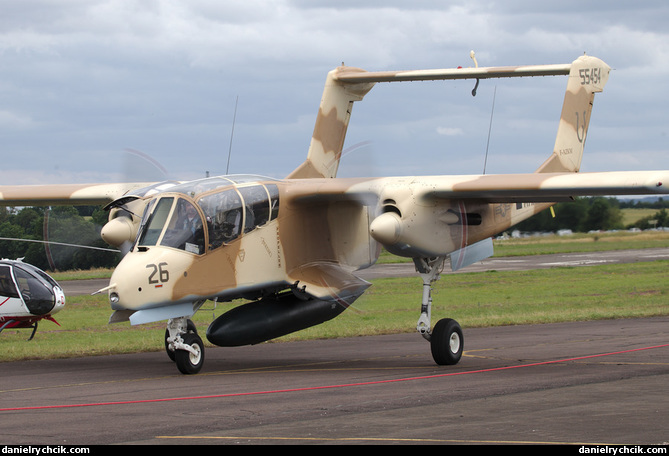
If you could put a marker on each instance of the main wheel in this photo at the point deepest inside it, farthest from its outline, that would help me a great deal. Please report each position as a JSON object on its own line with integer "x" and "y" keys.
{"x": 187, "y": 362}
{"x": 447, "y": 342}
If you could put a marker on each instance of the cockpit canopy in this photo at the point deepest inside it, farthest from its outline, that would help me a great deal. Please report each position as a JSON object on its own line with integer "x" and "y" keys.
{"x": 196, "y": 187}
{"x": 219, "y": 214}
{"x": 30, "y": 284}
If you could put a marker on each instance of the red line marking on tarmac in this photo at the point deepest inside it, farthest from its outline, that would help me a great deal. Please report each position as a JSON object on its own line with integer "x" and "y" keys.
{"x": 315, "y": 388}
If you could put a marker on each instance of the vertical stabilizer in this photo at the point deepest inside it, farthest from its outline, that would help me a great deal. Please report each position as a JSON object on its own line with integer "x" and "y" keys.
{"x": 587, "y": 76}
{"x": 332, "y": 122}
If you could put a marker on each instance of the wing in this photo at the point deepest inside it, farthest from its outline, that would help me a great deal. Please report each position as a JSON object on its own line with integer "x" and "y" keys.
{"x": 433, "y": 216}
{"x": 543, "y": 187}
{"x": 64, "y": 194}
{"x": 492, "y": 188}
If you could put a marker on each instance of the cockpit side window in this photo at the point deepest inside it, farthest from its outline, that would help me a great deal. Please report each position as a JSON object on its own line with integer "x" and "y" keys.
{"x": 273, "y": 191}
{"x": 233, "y": 211}
{"x": 7, "y": 287}
{"x": 256, "y": 204}
{"x": 184, "y": 230}
{"x": 224, "y": 214}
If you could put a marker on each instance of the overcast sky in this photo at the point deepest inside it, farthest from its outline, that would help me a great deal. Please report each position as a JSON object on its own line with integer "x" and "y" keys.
{"x": 88, "y": 85}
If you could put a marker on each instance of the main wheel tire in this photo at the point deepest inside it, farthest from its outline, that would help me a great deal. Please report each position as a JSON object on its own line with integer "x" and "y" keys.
{"x": 187, "y": 362}
{"x": 447, "y": 342}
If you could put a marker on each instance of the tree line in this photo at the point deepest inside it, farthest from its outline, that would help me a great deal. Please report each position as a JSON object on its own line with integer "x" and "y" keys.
{"x": 81, "y": 225}
{"x": 78, "y": 225}
{"x": 596, "y": 214}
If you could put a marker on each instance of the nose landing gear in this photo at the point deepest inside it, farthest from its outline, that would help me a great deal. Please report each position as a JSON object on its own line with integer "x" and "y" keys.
{"x": 184, "y": 346}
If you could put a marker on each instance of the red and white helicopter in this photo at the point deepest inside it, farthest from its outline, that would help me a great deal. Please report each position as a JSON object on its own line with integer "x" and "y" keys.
{"x": 28, "y": 295}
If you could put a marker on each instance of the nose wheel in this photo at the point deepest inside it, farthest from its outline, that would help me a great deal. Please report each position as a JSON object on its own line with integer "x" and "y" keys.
{"x": 184, "y": 346}
{"x": 446, "y": 338}
{"x": 189, "y": 360}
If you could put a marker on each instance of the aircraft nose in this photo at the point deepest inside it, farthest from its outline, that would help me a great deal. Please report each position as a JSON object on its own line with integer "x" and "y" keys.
{"x": 127, "y": 283}
{"x": 146, "y": 278}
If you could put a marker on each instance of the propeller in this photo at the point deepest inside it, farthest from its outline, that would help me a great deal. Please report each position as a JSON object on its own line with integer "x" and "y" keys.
{"x": 67, "y": 233}
{"x": 126, "y": 212}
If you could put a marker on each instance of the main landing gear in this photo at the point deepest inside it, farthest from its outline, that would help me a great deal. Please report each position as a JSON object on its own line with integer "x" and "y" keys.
{"x": 446, "y": 339}
{"x": 184, "y": 346}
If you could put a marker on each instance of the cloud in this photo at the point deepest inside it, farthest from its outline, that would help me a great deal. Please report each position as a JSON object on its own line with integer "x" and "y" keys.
{"x": 10, "y": 120}
{"x": 449, "y": 131}
{"x": 82, "y": 80}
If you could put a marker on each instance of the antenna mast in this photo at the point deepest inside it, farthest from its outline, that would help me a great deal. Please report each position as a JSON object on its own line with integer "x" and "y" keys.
{"x": 232, "y": 133}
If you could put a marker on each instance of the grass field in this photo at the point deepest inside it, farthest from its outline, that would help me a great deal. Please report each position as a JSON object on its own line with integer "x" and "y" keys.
{"x": 393, "y": 305}
{"x": 630, "y": 216}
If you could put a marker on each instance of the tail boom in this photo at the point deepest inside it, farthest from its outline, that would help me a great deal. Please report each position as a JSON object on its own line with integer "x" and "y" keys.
{"x": 346, "y": 85}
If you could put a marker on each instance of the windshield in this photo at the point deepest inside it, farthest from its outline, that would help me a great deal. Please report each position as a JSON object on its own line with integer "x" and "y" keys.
{"x": 175, "y": 222}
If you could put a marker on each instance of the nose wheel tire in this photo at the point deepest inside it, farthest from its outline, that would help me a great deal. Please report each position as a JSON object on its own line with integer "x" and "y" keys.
{"x": 190, "y": 361}
{"x": 190, "y": 328}
{"x": 447, "y": 342}
{"x": 184, "y": 346}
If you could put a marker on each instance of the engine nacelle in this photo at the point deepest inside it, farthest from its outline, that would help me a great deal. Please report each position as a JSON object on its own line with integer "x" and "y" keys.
{"x": 119, "y": 230}
{"x": 427, "y": 231}
{"x": 124, "y": 219}
{"x": 269, "y": 318}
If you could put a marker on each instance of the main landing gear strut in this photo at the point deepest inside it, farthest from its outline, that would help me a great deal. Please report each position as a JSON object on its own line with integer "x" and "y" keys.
{"x": 446, "y": 339}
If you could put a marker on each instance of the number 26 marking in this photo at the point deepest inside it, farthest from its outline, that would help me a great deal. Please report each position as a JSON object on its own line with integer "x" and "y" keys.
{"x": 158, "y": 275}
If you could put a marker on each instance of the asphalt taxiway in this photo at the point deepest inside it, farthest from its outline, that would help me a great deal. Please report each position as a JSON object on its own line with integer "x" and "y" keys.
{"x": 592, "y": 383}
{"x": 583, "y": 383}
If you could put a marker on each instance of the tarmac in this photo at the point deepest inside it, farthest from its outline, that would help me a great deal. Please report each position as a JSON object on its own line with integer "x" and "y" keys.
{"x": 588, "y": 383}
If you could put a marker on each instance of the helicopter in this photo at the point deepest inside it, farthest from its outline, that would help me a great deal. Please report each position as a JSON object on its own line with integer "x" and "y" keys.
{"x": 291, "y": 247}
{"x": 27, "y": 296}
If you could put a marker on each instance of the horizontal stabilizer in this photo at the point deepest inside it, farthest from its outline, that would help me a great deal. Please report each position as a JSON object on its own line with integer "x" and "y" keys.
{"x": 357, "y": 76}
